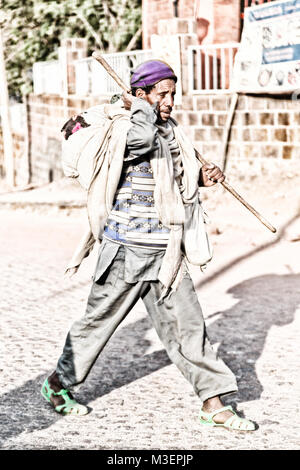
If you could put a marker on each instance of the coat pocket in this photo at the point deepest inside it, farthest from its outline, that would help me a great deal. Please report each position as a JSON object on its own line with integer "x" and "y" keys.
{"x": 106, "y": 256}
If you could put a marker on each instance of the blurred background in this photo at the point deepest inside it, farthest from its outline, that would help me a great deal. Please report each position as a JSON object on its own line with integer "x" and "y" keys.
{"x": 238, "y": 75}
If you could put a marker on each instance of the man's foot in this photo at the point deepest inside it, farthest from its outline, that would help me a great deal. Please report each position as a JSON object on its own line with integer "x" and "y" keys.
{"x": 214, "y": 413}
{"x": 61, "y": 399}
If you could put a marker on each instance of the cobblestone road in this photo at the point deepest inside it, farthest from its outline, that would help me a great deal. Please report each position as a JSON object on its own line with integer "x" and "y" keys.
{"x": 250, "y": 298}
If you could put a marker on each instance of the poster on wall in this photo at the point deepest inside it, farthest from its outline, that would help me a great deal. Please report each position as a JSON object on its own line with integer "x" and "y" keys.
{"x": 268, "y": 59}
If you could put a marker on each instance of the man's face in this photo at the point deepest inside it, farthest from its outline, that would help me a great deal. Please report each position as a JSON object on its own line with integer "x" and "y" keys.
{"x": 163, "y": 93}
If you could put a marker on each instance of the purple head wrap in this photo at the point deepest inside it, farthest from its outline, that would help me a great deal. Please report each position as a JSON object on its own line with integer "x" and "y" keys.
{"x": 150, "y": 72}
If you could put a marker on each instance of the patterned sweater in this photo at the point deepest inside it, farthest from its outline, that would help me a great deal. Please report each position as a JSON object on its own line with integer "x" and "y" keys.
{"x": 133, "y": 219}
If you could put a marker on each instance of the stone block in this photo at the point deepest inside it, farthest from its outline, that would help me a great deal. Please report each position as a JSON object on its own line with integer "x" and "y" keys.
{"x": 60, "y": 112}
{"x": 251, "y": 151}
{"x": 280, "y": 135}
{"x": 211, "y": 151}
{"x": 173, "y": 26}
{"x": 54, "y": 100}
{"x": 201, "y": 134}
{"x": 187, "y": 102}
{"x": 271, "y": 151}
{"x": 208, "y": 119}
{"x": 220, "y": 103}
{"x": 180, "y": 26}
{"x": 287, "y": 151}
{"x": 293, "y": 104}
{"x": 74, "y": 103}
{"x": 52, "y": 111}
{"x": 73, "y": 111}
{"x": 260, "y": 135}
{"x": 96, "y": 100}
{"x": 221, "y": 119}
{"x": 33, "y": 100}
{"x": 294, "y": 135}
{"x": 249, "y": 119}
{"x": 256, "y": 103}
{"x": 237, "y": 119}
{"x": 234, "y": 134}
{"x": 184, "y": 79}
{"x": 283, "y": 119}
{"x": 276, "y": 103}
{"x": 180, "y": 117}
{"x": 296, "y": 118}
{"x": 246, "y": 134}
{"x": 266, "y": 119}
{"x": 242, "y": 102}
{"x": 193, "y": 118}
{"x": 201, "y": 103}
{"x": 216, "y": 133}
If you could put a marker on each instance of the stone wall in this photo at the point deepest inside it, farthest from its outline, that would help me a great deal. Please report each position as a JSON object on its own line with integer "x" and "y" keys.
{"x": 265, "y": 130}
{"x": 217, "y": 20}
{"x": 46, "y": 116}
{"x": 19, "y": 148}
{"x": 222, "y": 21}
{"x": 156, "y": 10}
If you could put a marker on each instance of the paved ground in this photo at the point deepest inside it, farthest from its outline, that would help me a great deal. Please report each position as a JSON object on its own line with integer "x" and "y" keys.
{"x": 250, "y": 296}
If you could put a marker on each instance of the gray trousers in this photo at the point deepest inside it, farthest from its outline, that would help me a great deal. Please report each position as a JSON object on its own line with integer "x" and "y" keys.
{"x": 178, "y": 321}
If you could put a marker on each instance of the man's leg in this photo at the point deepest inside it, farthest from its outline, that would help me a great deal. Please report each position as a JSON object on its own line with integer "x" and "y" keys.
{"x": 110, "y": 300}
{"x": 180, "y": 325}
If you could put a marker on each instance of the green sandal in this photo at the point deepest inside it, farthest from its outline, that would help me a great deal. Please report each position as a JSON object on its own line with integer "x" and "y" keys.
{"x": 234, "y": 422}
{"x": 69, "y": 407}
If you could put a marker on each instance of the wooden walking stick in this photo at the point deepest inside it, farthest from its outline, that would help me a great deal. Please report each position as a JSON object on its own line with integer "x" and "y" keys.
{"x": 239, "y": 198}
{"x": 229, "y": 188}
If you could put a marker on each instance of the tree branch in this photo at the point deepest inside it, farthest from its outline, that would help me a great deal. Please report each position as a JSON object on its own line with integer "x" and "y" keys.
{"x": 132, "y": 43}
{"x": 90, "y": 29}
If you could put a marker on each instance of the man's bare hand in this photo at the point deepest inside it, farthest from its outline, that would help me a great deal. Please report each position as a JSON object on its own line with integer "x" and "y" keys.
{"x": 127, "y": 100}
{"x": 210, "y": 174}
{"x": 71, "y": 271}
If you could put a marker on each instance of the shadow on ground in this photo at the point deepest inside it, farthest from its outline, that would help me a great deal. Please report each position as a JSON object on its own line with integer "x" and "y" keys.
{"x": 263, "y": 302}
{"x": 241, "y": 331}
{"x": 122, "y": 361}
{"x": 281, "y": 233}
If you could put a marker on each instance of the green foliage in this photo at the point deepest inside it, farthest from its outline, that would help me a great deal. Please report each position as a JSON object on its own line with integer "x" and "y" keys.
{"x": 33, "y": 30}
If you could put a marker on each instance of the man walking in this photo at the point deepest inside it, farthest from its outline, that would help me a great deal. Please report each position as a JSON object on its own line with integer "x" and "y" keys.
{"x": 154, "y": 216}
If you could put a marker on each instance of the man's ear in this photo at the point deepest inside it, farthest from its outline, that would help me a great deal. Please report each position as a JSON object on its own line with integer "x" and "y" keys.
{"x": 140, "y": 93}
